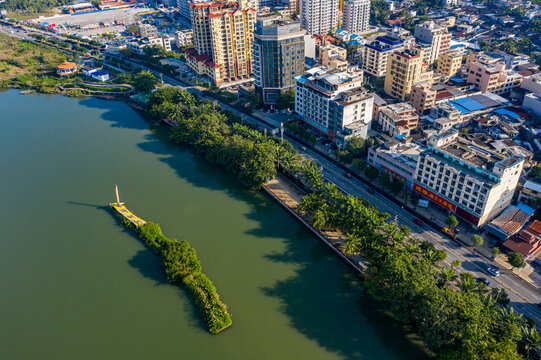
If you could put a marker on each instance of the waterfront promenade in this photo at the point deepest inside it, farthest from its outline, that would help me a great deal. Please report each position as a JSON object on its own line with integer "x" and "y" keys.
{"x": 289, "y": 196}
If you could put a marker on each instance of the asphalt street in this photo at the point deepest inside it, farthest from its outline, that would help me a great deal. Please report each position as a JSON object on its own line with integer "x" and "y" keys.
{"x": 524, "y": 298}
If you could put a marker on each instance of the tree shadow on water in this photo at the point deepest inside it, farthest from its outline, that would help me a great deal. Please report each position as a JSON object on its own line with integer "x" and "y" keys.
{"x": 115, "y": 113}
{"x": 326, "y": 302}
{"x": 149, "y": 266}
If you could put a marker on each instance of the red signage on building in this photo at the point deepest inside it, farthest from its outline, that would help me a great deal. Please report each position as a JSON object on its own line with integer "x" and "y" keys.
{"x": 437, "y": 199}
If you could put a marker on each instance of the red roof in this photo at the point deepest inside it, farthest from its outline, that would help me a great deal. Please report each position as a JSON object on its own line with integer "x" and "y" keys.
{"x": 522, "y": 247}
{"x": 443, "y": 94}
{"x": 528, "y": 241}
{"x": 210, "y": 64}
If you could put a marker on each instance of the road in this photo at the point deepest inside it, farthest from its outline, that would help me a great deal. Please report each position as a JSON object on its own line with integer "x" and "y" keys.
{"x": 524, "y": 298}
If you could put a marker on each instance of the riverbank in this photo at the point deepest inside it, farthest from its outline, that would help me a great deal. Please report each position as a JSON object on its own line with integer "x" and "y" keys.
{"x": 289, "y": 196}
{"x": 181, "y": 266}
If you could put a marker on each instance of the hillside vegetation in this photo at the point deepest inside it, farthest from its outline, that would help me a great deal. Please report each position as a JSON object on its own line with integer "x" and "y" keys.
{"x": 26, "y": 65}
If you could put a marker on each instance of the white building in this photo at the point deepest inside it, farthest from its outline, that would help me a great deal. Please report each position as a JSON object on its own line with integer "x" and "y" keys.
{"x": 356, "y": 15}
{"x": 334, "y": 103}
{"x": 147, "y": 30}
{"x": 184, "y": 37}
{"x": 532, "y": 83}
{"x": 466, "y": 178}
{"x": 319, "y": 16}
{"x": 398, "y": 119}
{"x": 532, "y": 103}
{"x": 138, "y": 46}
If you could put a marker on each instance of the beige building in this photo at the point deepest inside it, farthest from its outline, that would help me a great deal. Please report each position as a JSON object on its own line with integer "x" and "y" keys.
{"x": 376, "y": 54}
{"x": 398, "y": 119}
{"x": 223, "y": 34}
{"x": 333, "y": 56}
{"x": 423, "y": 97}
{"x": 404, "y": 68}
{"x": 435, "y": 36}
{"x": 449, "y": 63}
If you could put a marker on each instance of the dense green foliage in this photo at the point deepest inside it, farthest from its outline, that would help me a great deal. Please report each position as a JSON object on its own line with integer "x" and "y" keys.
{"x": 33, "y": 6}
{"x": 516, "y": 259}
{"x": 299, "y": 130}
{"x": 458, "y": 318}
{"x": 25, "y": 65}
{"x": 286, "y": 100}
{"x": 379, "y": 12}
{"x": 477, "y": 240}
{"x": 144, "y": 81}
{"x": 535, "y": 171}
{"x": 181, "y": 265}
{"x": 247, "y": 153}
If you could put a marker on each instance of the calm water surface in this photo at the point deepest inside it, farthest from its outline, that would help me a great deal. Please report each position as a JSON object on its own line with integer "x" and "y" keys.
{"x": 75, "y": 285}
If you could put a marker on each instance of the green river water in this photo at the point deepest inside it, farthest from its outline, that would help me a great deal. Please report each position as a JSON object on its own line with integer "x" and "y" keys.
{"x": 75, "y": 285}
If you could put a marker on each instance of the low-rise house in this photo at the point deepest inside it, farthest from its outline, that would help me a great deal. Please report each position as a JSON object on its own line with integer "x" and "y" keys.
{"x": 398, "y": 119}
{"x": 527, "y": 242}
{"x": 510, "y": 222}
{"x": 397, "y": 158}
{"x": 100, "y": 76}
{"x": 333, "y": 56}
{"x": 531, "y": 193}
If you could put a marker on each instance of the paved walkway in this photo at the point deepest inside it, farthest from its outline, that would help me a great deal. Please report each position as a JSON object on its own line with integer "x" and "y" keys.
{"x": 291, "y": 195}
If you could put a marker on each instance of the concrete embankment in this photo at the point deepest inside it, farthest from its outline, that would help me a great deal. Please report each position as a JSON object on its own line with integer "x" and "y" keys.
{"x": 288, "y": 195}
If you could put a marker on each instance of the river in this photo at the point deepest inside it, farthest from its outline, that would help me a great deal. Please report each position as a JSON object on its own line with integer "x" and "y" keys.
{"x": 75, "y": 285}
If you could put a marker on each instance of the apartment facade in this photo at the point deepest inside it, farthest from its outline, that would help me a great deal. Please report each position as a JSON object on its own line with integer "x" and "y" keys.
{"x": 403, "y": 69}
{"x": 147, "y": 30}
{"x": 278, "y": 56}
{"x": 396, "y": 158}
{"x": 223, "y": 34}
{"x": 334, "y": 103}
{"x": 319, "y": 16}
{"x": 465, "y": 178}
{"x": 376, "y": 53}
{"x": 423, "y": 97}
{"x": 436, "y": 36}
{"x": 449, "y": 63}
{"x": 333, "y": 56}
{"x": 356, "y": 16}
{"x": 490, "y": 73}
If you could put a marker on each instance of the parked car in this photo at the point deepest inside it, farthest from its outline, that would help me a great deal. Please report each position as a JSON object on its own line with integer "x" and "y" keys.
{"x": 418, "y": 222}
{"x": 483, "y": 280}
{"x": 494, "y": 271}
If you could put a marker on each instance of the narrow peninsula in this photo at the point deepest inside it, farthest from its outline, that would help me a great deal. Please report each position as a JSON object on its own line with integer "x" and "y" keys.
{"x": 181, "y": 266}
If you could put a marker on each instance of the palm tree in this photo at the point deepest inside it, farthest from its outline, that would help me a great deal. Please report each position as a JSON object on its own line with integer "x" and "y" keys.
{"x": 447, "y": 275}
{"x": 313, "y": 176}
{"x": 318, "y": 219}
{"x": 352, "y": 245}
{"x": 531, "y": 339}
{"x": 467, "y": 282}
{"x": 280, "y": 153}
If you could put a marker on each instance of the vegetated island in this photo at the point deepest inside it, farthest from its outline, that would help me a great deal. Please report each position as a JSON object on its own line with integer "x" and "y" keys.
{"x": 181, "y": 266}
{"x": 458, "y": 318}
